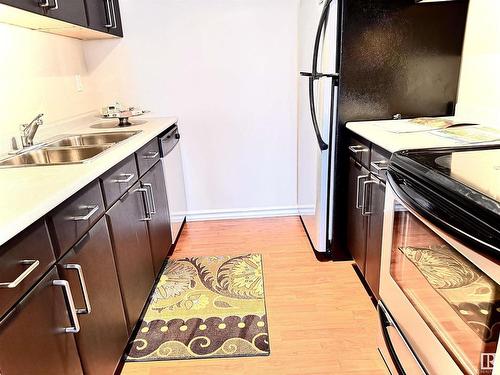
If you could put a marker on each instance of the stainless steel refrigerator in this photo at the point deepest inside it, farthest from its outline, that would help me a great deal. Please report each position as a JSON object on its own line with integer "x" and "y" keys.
{"x": 365, "y": 60}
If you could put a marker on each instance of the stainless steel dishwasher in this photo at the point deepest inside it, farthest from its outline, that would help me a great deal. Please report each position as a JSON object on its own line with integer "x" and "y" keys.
{"x": 174, "y": 178}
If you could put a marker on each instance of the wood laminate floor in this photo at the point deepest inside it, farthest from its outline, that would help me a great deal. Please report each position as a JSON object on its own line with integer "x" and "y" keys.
{"x": 321, "y": 320}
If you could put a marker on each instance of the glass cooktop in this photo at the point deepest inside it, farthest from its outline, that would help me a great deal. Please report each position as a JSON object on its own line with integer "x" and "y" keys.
{"x": 460, "y": 185}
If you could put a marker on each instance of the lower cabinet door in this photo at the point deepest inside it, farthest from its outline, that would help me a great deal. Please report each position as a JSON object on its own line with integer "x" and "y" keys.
{"x": 356, "y": 222}
{"x": 34, "y": 337}
{"x": 159, "y": 226}
{"x": 129, "y": 233}
{"x": 374, "y": 237}
{"x": 89, "y": 267}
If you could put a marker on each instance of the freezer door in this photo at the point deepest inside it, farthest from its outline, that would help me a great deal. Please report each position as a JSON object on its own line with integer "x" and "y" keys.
{"x": 316, "y": 110}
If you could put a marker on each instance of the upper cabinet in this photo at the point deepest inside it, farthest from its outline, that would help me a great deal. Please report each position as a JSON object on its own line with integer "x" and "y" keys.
{"x": 104, "y": 15}
{"x": 81, "y": 19}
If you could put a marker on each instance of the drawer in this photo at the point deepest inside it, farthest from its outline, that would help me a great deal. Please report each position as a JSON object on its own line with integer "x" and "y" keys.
{"x": 118, "y": 180}
{"x": 147, "y": 156}
{"x": 23, "y": 260}
{"x": 70, "y": 220}
{"x": 359, "y": 150}
{"x": 379, "y": 161}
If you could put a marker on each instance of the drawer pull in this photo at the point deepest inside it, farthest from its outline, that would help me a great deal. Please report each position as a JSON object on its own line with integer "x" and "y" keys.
{"x": 88, "y": 309}
{"x": 46, "y": 4}
{"x": 33, "y": 264}
{"x": 128, "y": 178}
{"x": 380, "y": 166}
{"x": 93, "y": 210}
{"x": 358, "y": 149}
{"x": 151, "y": 155}
{"x": 75, "y": 328}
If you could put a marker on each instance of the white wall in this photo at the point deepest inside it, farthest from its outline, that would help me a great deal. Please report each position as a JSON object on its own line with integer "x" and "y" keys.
{"x": 227, "y": 69}
{"x": 479, "y": 91}
{"x": 37, "y": 75}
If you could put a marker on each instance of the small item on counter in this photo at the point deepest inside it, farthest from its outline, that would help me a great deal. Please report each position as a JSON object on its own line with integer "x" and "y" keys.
{"x": 121, "y": 112}
{"x": 471, "y": 134}
{"x": 420, "y": 124}
{"x": 432, "y": 122}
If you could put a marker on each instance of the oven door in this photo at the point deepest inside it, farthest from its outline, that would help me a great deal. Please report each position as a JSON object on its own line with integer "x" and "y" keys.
{"x": 440, "y": 299}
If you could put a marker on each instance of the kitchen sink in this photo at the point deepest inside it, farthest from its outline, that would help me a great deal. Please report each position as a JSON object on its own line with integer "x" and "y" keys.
{"x": 92, "y": 139}
{"x": 55, "y": 156}
{"x": 69, "y": 149}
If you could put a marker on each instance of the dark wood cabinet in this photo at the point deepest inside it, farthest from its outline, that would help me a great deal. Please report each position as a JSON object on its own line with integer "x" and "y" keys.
{"x": 365, "y": 212}
{"x": 72, "y": 219}
{"x": 99, "y": 15}
{"x": 89, "y": 267}
{"x": 374, "y": 234}
{"x": 23, "y": 260}
{"x": 129, "y": 233}
{"x": 148, "y": 156}
{"x": 32, "y": 6}
{"x": 33, "y": 339}
{"x": 118, "y": 180}
{"x": 104, "y": 15}
{"x": 72, "y": 11}
{"x": 160, "y": 234}
{"x": 356, "y": 222}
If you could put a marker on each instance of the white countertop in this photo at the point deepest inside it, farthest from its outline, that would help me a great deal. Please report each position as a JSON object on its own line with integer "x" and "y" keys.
{"x": 29, "y": 193}
{"x": 376, "y": 132}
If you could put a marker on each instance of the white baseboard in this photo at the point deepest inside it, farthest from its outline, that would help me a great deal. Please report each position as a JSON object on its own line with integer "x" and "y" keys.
{"x": 242, "y": 213}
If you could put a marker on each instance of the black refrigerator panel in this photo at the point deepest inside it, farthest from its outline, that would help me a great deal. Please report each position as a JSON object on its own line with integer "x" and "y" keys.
{"x": 396, "y": 57}
{"x": 400, "y": 57}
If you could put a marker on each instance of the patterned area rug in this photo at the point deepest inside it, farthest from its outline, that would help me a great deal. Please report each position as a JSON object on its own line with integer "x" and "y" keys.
{"x": 205, "y": 307}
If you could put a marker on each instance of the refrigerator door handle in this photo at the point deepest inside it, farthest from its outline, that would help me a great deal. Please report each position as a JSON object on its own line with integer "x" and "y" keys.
{"x": 314, "y": 75}
{"x": 322, "y": 144}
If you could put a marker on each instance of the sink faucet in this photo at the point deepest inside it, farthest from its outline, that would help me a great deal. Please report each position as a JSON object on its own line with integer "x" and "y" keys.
{"x": 28, "y": 131}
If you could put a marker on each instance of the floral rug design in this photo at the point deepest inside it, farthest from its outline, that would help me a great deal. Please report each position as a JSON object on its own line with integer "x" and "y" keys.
{"x": 205, "y": 307}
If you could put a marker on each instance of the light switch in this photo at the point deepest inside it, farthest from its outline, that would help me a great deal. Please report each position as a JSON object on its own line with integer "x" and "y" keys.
{"x": 78, "y": 83}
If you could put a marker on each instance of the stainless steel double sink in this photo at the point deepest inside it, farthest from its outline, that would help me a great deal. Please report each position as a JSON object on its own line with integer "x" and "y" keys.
{"x": 69, "y": 149}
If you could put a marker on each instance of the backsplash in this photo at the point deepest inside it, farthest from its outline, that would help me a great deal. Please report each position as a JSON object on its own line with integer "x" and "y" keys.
{"x": 38, "y": 74}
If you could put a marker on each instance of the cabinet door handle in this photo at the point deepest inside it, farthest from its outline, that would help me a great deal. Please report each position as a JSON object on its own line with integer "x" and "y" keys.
{"x": 153, "y": 204}
{"x": 128, "y": 178}
{"x": 108, "y": 13}
{"x": 114, "y": 25}
{"x": 75, "y": 324}
{"x": 151, "y": 155}
{"x": 88, "y": 309}
{"x": 93, "y": 210}
{"x": 356, "y": 149}
{"x": 358, "y": 183}
{"x": 144, "y": 193}
{"x": 13, "y": 284}
{"x": 364, "y": 210}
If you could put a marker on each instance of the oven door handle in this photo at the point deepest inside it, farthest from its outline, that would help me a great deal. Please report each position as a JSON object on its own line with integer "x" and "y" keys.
{"x": 386, "y": 321}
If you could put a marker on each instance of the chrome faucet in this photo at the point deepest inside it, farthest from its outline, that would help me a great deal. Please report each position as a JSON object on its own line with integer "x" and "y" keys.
{"x": 28, "y": 131}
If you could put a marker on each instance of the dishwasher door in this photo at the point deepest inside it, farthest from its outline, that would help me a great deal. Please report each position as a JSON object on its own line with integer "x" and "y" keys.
{"x": 174, "y": 179}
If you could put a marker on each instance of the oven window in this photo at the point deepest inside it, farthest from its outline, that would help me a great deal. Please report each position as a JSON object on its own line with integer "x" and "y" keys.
{"x": 459, "y": 302}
